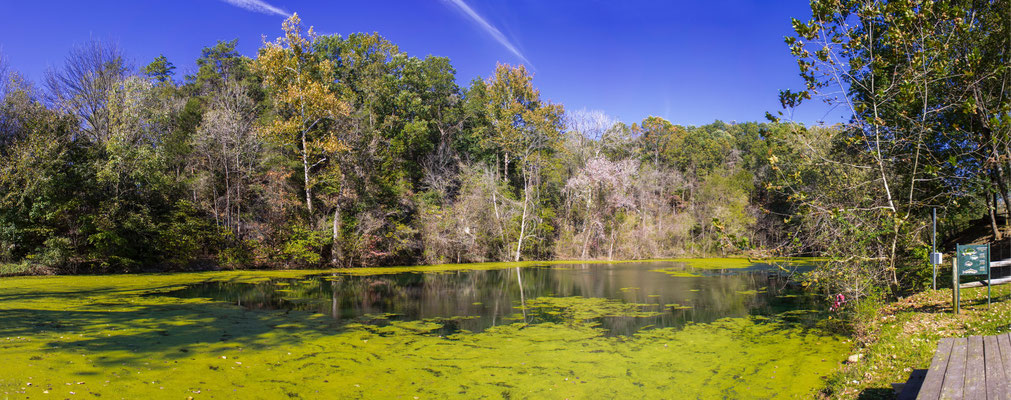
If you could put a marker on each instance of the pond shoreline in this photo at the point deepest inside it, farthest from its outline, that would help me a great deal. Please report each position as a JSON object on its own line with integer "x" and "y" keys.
{"x": 699, "y": 261}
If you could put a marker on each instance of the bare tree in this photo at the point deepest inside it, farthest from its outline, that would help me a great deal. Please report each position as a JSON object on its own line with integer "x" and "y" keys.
{"x": 586, "y": 130}
{"x": 91, "y": 71}
{"x": 229, "y": 149}
{"x": 8, "y": 123}
{"x": 469, "y": 229}
{"x": 4, "y": 74}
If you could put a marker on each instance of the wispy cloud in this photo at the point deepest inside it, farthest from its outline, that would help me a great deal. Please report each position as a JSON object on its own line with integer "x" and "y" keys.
{"x": 259, "y": 6}
{"x": 489, "y": 28}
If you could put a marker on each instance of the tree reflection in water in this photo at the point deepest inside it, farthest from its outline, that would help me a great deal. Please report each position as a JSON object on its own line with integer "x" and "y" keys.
{"x": 474, "y": 300}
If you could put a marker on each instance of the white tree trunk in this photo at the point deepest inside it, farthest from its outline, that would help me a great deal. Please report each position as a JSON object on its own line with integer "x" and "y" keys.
{"x": 523, "y": 219}
{"x": 336, "y": 253}
{"x": 305, "y": 175}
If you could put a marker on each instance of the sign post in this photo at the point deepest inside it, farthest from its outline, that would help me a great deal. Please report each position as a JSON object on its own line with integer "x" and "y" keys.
{"x": 954, "y": 282}
{"x": 970, "y": 260}
{"x": 935, "y": 257}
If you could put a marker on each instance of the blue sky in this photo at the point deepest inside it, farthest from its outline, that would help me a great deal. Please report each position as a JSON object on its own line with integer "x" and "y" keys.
{"x": 689, "y": 61}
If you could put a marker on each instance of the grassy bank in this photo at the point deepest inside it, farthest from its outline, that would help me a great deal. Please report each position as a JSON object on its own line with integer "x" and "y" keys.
{"x": 893, "y": 339}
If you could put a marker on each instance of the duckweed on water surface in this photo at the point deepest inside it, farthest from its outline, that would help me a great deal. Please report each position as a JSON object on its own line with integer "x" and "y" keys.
{"x": 692, "y": 267}
{"x": 84, "y": 336}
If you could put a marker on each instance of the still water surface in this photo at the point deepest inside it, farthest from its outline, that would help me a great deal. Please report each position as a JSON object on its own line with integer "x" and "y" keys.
{"x": 668, "y": 294}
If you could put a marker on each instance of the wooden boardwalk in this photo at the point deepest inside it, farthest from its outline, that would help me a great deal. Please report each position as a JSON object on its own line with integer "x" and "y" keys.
{"x": 976, "y": 367}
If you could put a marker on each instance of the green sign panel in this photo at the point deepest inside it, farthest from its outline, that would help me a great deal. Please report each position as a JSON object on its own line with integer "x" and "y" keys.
{"x": 973, "y": 259}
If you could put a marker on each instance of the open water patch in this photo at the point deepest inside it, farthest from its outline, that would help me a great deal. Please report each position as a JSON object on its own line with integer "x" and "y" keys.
{"x": 648, "y": 295}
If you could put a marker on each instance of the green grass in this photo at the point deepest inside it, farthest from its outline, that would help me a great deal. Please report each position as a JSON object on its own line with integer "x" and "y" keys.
{"x": 901, "y": 336}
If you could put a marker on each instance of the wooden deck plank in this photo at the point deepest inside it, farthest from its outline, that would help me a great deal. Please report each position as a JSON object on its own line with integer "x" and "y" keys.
{"x": 978, "y": 367}
{"x": 931, "y": 388}
{"x": 996, "y": 381}
{"x": 1004, "y": 344}
{"x": 954, "y": 377}
{"x": 975, "y": 370}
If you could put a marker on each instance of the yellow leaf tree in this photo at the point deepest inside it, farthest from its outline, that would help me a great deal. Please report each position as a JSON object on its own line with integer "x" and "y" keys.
{"x": 308, "y": 112}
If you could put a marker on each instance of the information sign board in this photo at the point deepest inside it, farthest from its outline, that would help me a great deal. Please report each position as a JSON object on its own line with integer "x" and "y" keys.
{"x": 973, "y": 259}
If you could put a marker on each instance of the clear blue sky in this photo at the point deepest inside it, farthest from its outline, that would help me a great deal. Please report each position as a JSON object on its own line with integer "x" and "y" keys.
{"x": 689, "y": 61}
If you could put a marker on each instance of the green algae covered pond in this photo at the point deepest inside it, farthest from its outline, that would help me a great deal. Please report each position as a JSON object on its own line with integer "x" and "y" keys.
{"x": 713, "y": 328}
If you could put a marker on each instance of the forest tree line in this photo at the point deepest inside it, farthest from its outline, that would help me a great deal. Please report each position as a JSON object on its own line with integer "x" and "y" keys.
{"x": 345, "y": 151}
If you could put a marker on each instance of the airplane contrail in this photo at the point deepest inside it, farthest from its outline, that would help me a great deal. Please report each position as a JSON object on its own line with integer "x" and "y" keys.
{"x": 259, "y": 6}
{"x": 489, "y": 28}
